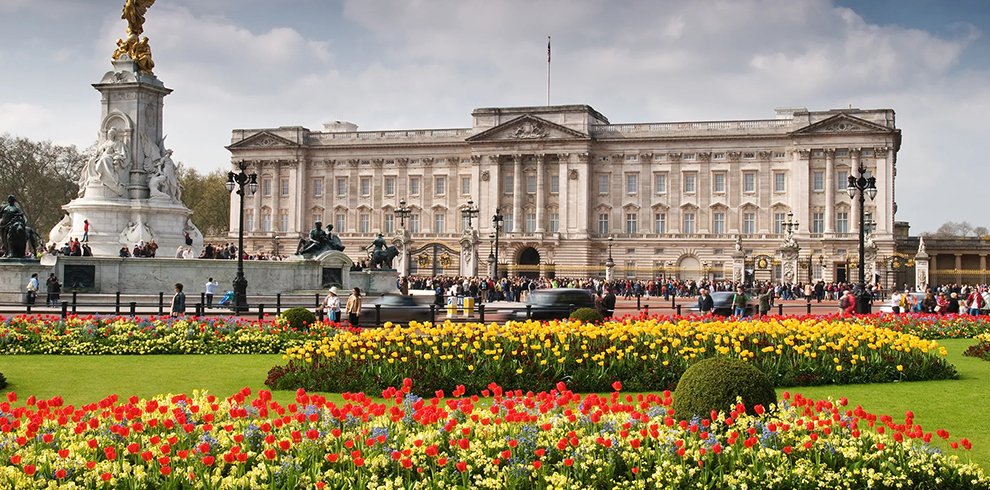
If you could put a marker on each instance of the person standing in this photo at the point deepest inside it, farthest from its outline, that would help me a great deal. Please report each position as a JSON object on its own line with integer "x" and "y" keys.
{"x": 32, "y": 289}
{"x": 739, "y": 301}
{"x": 705, "y": 302}
{"x": 210, "y": 289}
{"x": 332, "y": 305}
{"x": 85, "y": 230}
{"x": 974, "y": 302}
{"x": 608, "y": 303}
{"x": 54, "y": 289}
{"x": 353, "y": 307}
{"x": 178, "y": 306}
{"x": 766, "y": 300}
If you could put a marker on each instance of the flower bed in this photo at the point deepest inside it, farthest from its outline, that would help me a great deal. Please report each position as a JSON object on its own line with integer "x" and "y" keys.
{"x": 507, "y": 439}
{"x": 647, "y": 355}
{"x": 91, "y": 335}
{"x": 981, "y": 349}
{"x": 929, "y": 326}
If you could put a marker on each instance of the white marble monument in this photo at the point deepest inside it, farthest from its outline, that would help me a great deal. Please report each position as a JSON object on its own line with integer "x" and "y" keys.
{"x": 128, "y": 189}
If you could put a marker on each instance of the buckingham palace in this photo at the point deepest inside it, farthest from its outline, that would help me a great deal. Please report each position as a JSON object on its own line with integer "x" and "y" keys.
{"x": 684, "y": 199}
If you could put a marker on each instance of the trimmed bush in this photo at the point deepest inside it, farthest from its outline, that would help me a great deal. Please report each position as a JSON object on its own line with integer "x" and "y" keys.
{"x": 587, "y": 315}
{"x": 716, "y": 382}
{"x": 299, "y": 318}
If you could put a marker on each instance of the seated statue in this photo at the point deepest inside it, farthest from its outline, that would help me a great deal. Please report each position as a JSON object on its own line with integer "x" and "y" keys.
{"x": 319, "y": 241}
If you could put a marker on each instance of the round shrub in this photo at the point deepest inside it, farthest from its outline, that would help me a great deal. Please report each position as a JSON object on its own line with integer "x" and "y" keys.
{"x": 716, "y": 382}
{"x": 299, "y": 318}
{"x": 586, "y": 315}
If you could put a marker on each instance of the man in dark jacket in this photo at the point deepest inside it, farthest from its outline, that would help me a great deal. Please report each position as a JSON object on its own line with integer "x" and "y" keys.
{"x": 705, "y": 302}
{"x": 608, "y": 303}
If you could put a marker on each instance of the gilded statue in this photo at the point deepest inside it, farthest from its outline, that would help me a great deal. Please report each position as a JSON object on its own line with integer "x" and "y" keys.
{"x": 133, "y": 45}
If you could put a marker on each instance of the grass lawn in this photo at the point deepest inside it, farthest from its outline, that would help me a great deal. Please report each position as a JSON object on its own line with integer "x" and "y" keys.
{"x": 957, "y": 406}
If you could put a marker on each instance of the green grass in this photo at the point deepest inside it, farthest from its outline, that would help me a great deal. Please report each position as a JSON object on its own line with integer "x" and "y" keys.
{"x": 957, "y": 405}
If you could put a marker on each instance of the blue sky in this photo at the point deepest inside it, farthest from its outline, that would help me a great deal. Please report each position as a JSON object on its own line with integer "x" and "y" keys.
{"x": 420, "y": 64}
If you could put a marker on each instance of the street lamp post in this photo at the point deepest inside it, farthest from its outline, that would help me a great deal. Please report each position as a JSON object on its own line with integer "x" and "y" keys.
{"x": 859, "y": 188}
{"x": 609, "y": 263}
{"x": 497, "y": 220}
{"x": 469, "y": 212}
{"x": 239, "y": 181}
{"x": 403, "y": 212}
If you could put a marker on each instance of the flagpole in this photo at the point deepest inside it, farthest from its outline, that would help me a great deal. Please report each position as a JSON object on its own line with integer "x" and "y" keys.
{"x": 548, "y": 71}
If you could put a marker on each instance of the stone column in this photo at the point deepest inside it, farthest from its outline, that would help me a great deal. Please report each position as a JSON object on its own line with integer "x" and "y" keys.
{"x": 517, "y": 193}
{"x": 469, "y": 253}
{"x": 563, "y": 202}
{"x": 830, "y": 190}
{"x": 255, "y": 226}
{"x": 541, "y": 202}
{"x": 854, "y": 218}
{"x": 958, "y": 268}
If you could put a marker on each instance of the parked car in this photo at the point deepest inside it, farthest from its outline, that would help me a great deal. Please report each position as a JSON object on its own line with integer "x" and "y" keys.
{"x": 888, "y": 306}
{"x": 722, "y": 301}
{"x": 555, "y": 304}
{"x": 396, "y": 308}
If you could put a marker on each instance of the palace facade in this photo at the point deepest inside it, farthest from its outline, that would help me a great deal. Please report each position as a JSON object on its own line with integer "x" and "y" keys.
{"x": 673, "y": 196}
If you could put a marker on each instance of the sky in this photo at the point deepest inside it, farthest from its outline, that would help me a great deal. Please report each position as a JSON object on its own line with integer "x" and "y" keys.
{"x": 427, "y": 64}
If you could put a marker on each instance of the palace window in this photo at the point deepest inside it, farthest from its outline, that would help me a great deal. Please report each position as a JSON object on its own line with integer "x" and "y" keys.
{"x": 465, "y": 185}
{"x": 749, "y": 182}
{"x": 340, "y": 219}
{"x": 818, "y": 222}
{"x": 690, "y": 183}
{"x": 603, "y": 223}
{"x": 341, "y": 186}
{"x": 778, "y": 222}
{"x": 603, "y": 183}
{"x": 718, "y": 223}
{"x": 749, "y": 223}
{"x": 530, "y": 224}
{"x": 508, "y": 184}
{"x": 318, "y": 187}
{"x": 266, "y": 187}
{"x": 631, "y": 223}
{"x": 414, "y": 223}
{"x": 530, "y": 184}
{"x": 718, "y": 182}
{"x": 364, "y": 223}
{"x": 283, "y": 220}
{"x": 659, "y": 183}
{"x": 414, "y": 185}
{"x": 365, "y": 186}
{"x": 818, "y": 181}
{"x": 660, "y": 223}
{"x": 554, "y": 184}
{"x": 688, "y": 227}
{"x": 266, "y": 221}
{"x": 249, "y": 220}
{"x": 439, "y": 222}
{"x": 439, "y": 185}
{"x": 389, "y": 223}
{"x": 507, "y": 222}
{"x": 389, "y": 185}
{"x": 842, "y": 222}
{"x": 632, "y": 183}
{"x": 554, "y": 222}
{"x": 779, "y": 182}
{"x": 284, "y": 187}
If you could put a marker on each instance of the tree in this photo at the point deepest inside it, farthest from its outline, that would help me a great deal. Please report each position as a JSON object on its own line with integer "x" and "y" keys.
{"x": 208, "y": 199}
{"x": 43, "y": 176}
{"x": 952, "y": 229}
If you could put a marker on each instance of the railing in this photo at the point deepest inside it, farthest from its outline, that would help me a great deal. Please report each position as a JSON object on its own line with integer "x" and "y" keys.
{"x": 350, "y": 136}
{"x": 768, "y": 125}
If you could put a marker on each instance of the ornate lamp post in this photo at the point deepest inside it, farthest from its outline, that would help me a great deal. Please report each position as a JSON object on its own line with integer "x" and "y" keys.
{"x": 609, "y": 263}
{"x": 491, "y": 254}
{"x": 240, "y": 181}
{"x": 402, "y": 212}
{"x": 789, "y": 226}
{"x": 469, "y": 212}
{"x": 497, "y": 220}
{"x": 859, "y": 188}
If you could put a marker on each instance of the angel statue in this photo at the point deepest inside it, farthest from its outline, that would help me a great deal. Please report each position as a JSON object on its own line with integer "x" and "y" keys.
{"x": 132, "y": 45}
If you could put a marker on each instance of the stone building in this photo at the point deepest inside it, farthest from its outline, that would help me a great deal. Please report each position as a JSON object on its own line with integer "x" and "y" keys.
{"x": 674, "y": 196}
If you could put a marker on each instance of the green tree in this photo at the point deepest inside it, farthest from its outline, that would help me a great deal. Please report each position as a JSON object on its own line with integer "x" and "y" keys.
{"x": 42, "y": 175}
{"x": 208, "y": 199}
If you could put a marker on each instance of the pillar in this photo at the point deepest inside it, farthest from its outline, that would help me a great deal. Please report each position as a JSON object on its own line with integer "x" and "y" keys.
{"x": 541, "y": 203}
{"x": 518, "y": 192}
{"x": 830, "y": 190}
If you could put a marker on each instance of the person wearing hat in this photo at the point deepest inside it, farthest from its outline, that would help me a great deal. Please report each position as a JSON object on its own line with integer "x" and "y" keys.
{"x": 332, "y": 305}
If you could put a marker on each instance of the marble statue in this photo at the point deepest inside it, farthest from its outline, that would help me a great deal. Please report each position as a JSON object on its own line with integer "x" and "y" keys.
{"x": 739, "y": 246}
{"x": 921, "y": 245}
{"x": 103, "y": 168}
{"x": 60, "y": 233}
{"x": 164, "y": 182}
{"x": 136, "y": 232}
